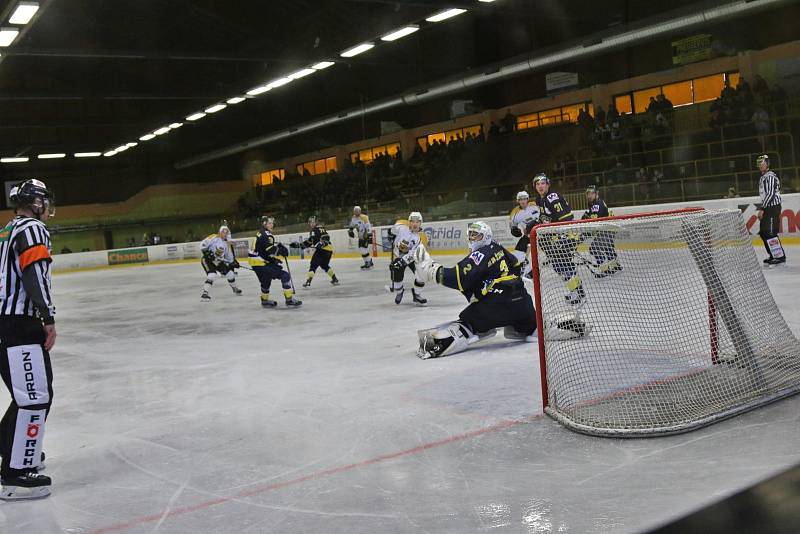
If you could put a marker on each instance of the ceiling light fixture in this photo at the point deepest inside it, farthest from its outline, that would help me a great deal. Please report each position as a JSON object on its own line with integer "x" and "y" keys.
{"x": 146, "y": 137}
{"x": 14, "y": 160}
{"x": 24, "y": 13}
{"x": 402, "y": 32}
{"x": 110, "y": 153}
{"x": 216, "y": 107}
{"x": 236, "y": 100}
{"x": 162, "y": 130}
{"x": 322, "y": 65}
{"x": 196, "y": 116}
{"x": 7, "y": 36}
{"x": 301, "y": 74}
{"x": 88, "y": 154}
{"x": 175, "y": 125}
{"x": 131, "y": 144}
{"x": 57, "y": 155}
{"x": 358, "y": 49}
{"x": 444, "y": 15}
{"x": 255, "y": 91}
{"x": 279, "y": 82}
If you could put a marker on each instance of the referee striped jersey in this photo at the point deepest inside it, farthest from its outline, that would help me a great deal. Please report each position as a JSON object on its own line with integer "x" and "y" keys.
{"x": 25, "y": 287}
{"x": 769, "y": 189}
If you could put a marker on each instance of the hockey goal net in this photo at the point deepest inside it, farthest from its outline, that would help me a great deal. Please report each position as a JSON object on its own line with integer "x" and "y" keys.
{"x": 656, "y": 323}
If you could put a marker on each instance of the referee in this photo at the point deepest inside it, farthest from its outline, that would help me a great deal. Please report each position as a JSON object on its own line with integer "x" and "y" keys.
{"x": 769, "y": 212}
{"x": 27, "y": 334}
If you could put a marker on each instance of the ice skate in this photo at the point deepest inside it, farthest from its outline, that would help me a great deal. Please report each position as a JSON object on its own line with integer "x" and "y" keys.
{"x": 29, "y": 485}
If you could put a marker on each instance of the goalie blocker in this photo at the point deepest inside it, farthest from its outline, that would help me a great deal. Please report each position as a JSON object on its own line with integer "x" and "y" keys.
{"x": 490, "y": 277}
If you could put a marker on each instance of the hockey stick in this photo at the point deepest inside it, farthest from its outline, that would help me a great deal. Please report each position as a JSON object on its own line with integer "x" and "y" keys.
{"x": 288, "y": 270}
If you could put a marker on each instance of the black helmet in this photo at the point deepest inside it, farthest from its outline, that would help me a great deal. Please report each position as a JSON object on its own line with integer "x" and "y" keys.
{"x": 25, "y": 194}
{"x": 541, "y": 177}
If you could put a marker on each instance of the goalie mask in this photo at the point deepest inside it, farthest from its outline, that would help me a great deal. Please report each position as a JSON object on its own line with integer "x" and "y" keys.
{"x": 33, "y": 195}
{"x": 479, "y": 234}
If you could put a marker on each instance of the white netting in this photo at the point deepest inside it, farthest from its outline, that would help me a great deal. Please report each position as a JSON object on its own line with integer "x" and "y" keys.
{"x": 679, "y": 327}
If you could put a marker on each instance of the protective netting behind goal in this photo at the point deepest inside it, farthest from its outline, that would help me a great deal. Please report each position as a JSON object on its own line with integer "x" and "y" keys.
{"x": 674, "y": 327}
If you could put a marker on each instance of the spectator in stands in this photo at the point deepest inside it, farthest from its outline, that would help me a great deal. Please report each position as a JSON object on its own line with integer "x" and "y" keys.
{"x": 509, "y": 122}
{"x": 761, "y": 89}
{"x": 600, "y": 114}
{"x": 732, "y": 193}
{"x": 613, "y": 114}
{"x": 727, "y": 91}
{"x": 586, "y": 124}
{"x": 494, "y": 131}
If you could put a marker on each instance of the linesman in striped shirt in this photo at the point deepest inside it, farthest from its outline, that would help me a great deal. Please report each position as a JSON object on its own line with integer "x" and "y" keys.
{"x": 27, "y": 334}
{"x": 769, "y": 212}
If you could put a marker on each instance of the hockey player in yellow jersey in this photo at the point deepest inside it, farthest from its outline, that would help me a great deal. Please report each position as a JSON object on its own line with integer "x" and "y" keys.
{"x": 361, "y": 229}
{"x": 407, "y": 236}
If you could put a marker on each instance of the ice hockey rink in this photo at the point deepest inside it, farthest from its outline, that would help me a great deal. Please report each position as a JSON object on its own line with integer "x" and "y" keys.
{"x": 173, "y": 416}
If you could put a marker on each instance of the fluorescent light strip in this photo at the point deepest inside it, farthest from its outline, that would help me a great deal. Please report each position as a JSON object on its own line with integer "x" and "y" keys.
{"x": 88, "y": 154}
{"x": 7, "y": 36}
{"x": 402, "y": 32}
{"x": 57, "y": 155}
{"x": 255, "y": 91}
{"x": 358, "y": 49}
{"x": 486, "y": 1}
{"x": 147, "y": 137}
{"x": 131, "y": 145}
{"x": 24, "y": 13}
{"x": 322, "y": 65}
{"x": 279, "y": 82}
{"x": 162, "y": 130}
{"x": 236, "y": 100}
{"x": 444, "y": 15}
{"x": 196, "y": 116}
{"x": 301, "y": 74}
{"x": 215, "y": 108}
{"x": 121, "y": 148}
{"x": 14, "y": 160}
{"x": 110, "y": 153}
{"x": 175, "y": 125}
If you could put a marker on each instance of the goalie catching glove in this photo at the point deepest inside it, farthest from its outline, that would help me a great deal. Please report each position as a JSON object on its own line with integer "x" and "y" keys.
{"x": 428, "y": 269}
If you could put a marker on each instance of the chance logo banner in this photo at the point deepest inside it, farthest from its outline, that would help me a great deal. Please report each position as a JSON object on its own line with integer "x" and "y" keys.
{"x": 133, "y": 255}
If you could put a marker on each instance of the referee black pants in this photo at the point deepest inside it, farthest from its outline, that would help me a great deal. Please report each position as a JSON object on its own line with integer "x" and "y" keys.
{"x": 768, "y": 230}
{"x": 26, "y": 372}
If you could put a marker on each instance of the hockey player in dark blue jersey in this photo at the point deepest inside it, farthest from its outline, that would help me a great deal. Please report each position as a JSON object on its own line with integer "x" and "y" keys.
{"x": 266, "y": 263}
{"x": 320, "y": 241}
{"x": 489, "y": 277}
{"x": 602, "y": 247}
{"x": 560, "y": 249}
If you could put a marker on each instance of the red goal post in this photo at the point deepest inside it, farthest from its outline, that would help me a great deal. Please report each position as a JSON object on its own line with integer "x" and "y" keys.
{"x": 669, "y": 346}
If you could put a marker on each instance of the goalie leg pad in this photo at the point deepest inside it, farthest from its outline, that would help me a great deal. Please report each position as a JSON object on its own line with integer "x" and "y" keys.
{"x": 444, "y": 340}
{"x": 509, "y": 332}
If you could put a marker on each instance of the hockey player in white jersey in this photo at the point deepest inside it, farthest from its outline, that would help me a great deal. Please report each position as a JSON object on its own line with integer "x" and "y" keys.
{"x": 519, "y": 220}
{"x": 407, "y": 235}
{"x": 360, "y": 228}
{"x": 218, "y": 261}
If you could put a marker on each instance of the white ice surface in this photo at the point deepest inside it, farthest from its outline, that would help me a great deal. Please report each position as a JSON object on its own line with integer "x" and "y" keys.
{"x": 173, "y": 416}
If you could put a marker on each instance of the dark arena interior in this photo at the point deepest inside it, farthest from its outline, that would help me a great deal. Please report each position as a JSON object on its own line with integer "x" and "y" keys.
{"x": 213, "y": 211}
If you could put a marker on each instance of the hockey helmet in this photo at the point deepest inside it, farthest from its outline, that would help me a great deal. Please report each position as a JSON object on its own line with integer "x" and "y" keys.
{"x": 541, "y": 177}
{"x": 224, "y": 232}
{"x": 415, "y": 216}
{"x": 523, "y": 195}
{"x": 26, "y": 194}
{"x": 265, "y": 220}
{"x": 762, "y": 158}
{"x": 479, "y": 234}
{"x": 356, "y": 210}
{"x": 312, "y": 221}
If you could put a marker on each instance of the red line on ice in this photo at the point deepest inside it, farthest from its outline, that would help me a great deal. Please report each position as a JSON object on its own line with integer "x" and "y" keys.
{"x": 319, "y": 474}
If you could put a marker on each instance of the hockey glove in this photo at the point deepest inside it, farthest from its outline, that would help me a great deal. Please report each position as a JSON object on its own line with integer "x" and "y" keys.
{"x": 399, "y": 263}
{"x": 516, "y": 232}
{"x": 235, "y": 264}
{"x": 369, "y": 238}
{"x": 350, "y": 232}
{"x": 281, "y": 250}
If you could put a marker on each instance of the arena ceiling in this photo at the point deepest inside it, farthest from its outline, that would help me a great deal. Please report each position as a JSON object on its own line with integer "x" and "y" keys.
{"x": 92, "y": 75}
